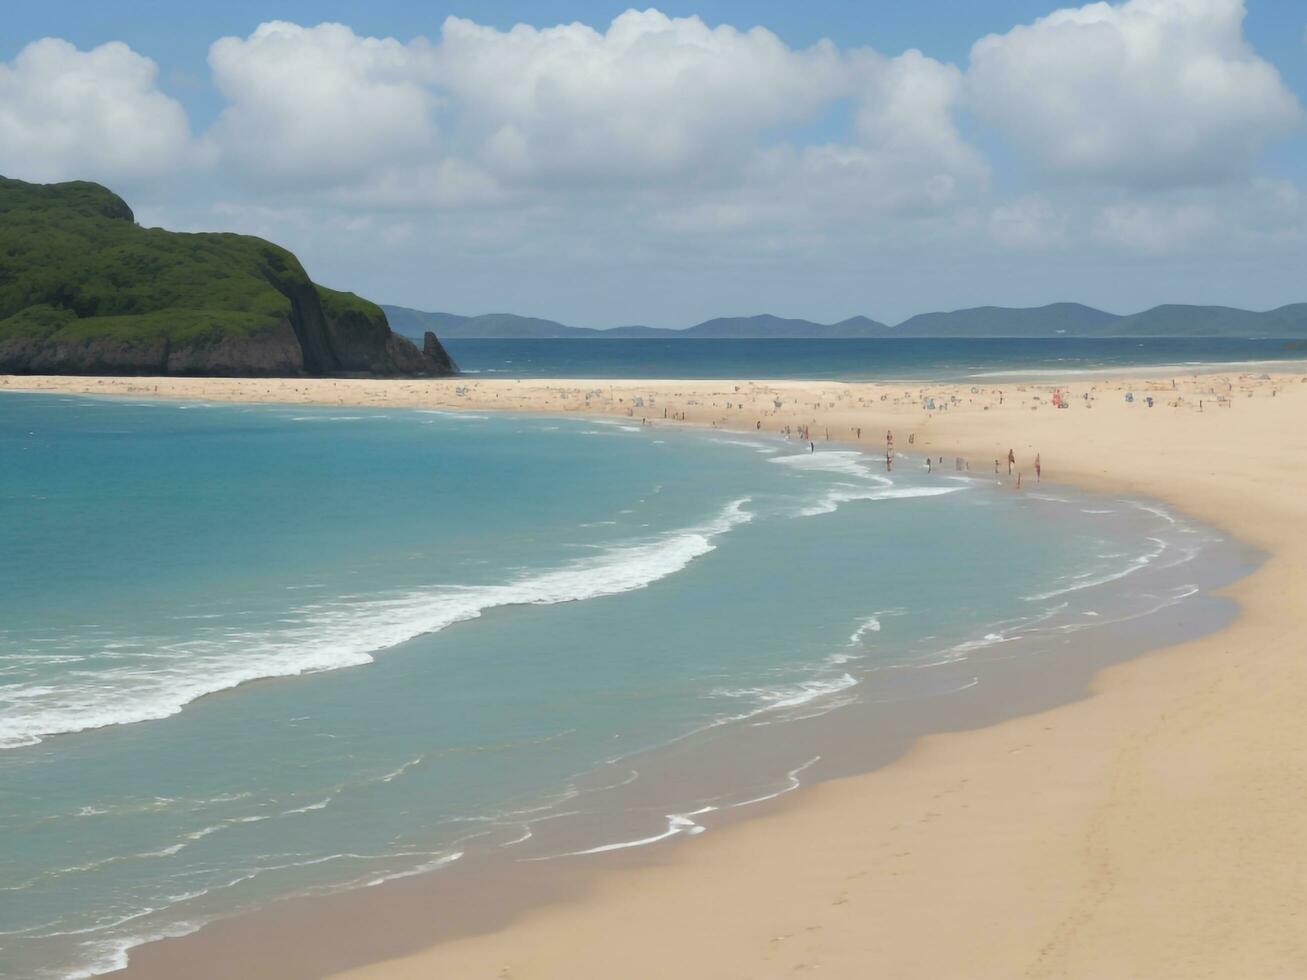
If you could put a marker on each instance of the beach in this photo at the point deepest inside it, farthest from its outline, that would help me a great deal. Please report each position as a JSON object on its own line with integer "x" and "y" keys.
{"x": 1151, "y": 829}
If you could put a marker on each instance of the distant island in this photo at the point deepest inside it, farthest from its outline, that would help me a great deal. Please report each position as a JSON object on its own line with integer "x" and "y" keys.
{"x": 1052, "y": 321}
{"x": 85, "y": 290}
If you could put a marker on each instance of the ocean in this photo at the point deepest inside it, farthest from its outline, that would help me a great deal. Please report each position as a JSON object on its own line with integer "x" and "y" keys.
{"x": 255, "y": 651}
{"x": 937, "y": 359}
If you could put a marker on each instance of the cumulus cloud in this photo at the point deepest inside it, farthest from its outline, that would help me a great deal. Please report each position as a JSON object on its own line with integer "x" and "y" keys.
{"x": 320, "y": 105}
{"x": 1156, "y": 228}
{"x": 652, "y": 102}
{"x": 1260, "y": 215}
{"x": 98, "y": 114}
{"x": 906, "y": 106}
{"x": 1141, "y": 92}
{"x": 1030, "y": 222}
{"x": 651, "y": 97}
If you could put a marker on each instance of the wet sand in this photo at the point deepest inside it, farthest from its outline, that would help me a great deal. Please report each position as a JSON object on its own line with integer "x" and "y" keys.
{"x": 1151, "y": 829}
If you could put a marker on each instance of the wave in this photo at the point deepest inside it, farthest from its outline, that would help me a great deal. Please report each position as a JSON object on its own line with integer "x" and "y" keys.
{"x": 421, "y": 869}
{"x": 874, "y": 486}
{"x": 869, "y": 625}
{"x": 756, "y": 446}
{"x": 845, "y": 493}
{"x": 450, "y": 413}
{"x": 343, "y": 634}
{"x": 684, "y": 823}
{"x": 784, "y": 696}
{"x": 1091, "y": 580}
{"x": 330, "y": 418}
{"x": 792, "y": 782}
{"x": 846, "y": 461}
{"x": 677, "y": 823}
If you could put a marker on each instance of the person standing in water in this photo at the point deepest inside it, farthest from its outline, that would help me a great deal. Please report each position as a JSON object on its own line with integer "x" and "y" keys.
{"x": 1038, "y": 468}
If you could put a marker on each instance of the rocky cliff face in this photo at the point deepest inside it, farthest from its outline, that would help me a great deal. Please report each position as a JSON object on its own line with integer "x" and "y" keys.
{"x": 361, "y": 341}
{"x": 273, "y": 352}
{"x": 305, "y": 343}
{"x": 341, "y": 335}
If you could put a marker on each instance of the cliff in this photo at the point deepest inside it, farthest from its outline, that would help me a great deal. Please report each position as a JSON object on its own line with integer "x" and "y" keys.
{"x": 85, "y": 290}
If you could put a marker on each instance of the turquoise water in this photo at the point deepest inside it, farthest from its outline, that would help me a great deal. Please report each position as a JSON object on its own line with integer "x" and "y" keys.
{"x": 254, "y": 651}
{"x": 925, "y": 358}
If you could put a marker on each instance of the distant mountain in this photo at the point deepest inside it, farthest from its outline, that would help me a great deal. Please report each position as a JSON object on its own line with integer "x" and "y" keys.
{"x": 1174, "y": 320}
{"x": 506, "y": 326}
{"x": 1055, "y": 320}
{"x": 415, "y": 323}
{"x": 503, "y": 326}
{"x": 1051, "y": 321}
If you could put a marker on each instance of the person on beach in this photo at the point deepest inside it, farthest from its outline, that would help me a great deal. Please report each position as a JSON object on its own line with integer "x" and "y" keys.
{"x": 1011, "y": 461}
{"x": 812, "y": 447}
{"x": 1039, "y": 469}
{"x": 928, "y": 467}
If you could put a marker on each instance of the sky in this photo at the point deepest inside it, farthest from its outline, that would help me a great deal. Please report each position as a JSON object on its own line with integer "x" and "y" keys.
{"x": 603, "y": 165}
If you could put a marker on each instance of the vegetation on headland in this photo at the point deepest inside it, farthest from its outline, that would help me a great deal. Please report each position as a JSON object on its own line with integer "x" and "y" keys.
{"x": 82, "y": 284}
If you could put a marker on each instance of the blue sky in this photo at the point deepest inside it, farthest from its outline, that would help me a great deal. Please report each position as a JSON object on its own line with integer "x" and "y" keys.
{"x": 667, "y": 166}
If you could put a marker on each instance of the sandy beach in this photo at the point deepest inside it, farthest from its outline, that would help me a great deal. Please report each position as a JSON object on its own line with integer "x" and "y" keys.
{"x": 1152, "y": 829}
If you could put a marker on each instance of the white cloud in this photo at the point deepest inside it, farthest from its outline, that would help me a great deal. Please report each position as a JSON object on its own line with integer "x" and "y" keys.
{"x": 320, "y": 105}
{"x": 1144, "y": 92}
{"x": 1154, "y": 228}
{"x": 652, "y": 97}
{"x": 95, "y": 114}
{"x": 904, "y": 159}
{"x": 1029, "y": 222}
{"x": 449, "y": 183}
{"x": 1260, "y": 215}
{"x": 534, "y": 114}
{"x": 906, "y": 109}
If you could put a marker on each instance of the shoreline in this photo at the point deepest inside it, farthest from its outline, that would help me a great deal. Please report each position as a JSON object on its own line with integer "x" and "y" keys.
{"x": 533, "y": 939}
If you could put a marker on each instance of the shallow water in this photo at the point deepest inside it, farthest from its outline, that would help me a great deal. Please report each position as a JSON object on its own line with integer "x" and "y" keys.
{"x": 420, "y": 631}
